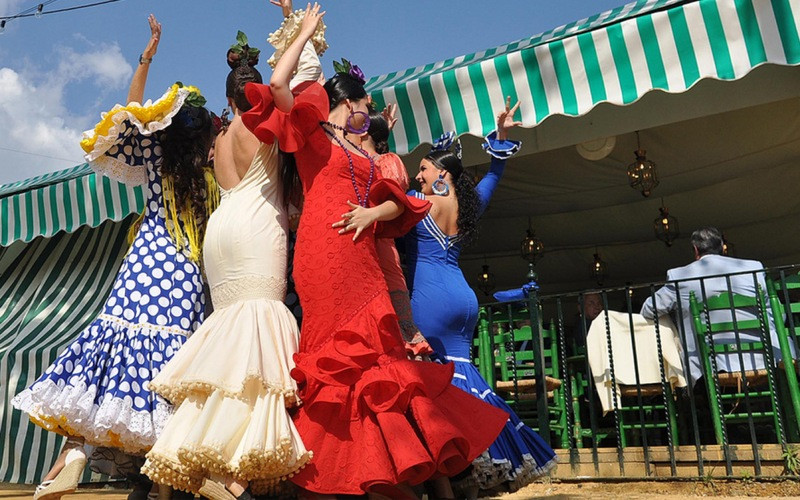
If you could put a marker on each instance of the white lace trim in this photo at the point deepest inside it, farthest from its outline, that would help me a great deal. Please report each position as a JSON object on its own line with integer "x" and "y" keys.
{"x": 107, "y": 318}
{"x": 122, "y": 119}
{"x": 176, "y": 393}
{"x": 73, "y": 408}
{"x": 118, "y": 170}
{"x": 247, "y": 288}
{"x": 489, "y": 473}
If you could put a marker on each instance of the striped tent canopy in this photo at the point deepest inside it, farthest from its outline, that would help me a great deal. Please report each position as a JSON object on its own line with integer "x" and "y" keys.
{"x": 615, "y": 57}
{"x": 63, "y": 201}
{"x": 50, "y": 289}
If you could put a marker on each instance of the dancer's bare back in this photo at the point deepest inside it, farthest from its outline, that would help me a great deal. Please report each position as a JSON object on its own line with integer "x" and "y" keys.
{"x": 233, "y": 153}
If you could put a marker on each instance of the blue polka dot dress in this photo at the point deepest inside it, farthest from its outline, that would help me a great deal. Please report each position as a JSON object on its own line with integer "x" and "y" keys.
{"x": 98, "y": 387}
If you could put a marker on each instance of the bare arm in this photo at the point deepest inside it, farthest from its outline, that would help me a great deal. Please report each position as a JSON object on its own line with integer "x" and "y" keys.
{"x": 279, "y": 82}
{"x": 136, "y": 92}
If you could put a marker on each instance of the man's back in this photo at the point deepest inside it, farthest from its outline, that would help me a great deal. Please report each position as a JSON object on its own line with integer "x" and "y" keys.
{"x": 673, "y": 298}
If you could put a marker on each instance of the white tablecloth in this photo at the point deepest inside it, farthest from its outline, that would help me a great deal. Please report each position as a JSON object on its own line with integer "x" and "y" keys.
{"x": 622, "y": 350}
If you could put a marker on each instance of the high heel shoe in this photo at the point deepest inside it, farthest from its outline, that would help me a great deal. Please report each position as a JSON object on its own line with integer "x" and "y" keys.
{"x": 67, "y": 480}
{"x": 215, "y": 490}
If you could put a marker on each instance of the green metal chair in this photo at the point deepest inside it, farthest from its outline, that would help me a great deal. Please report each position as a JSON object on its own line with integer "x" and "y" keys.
{"x": 581, "y": 392}
{"x": 636, "y": 417}
{"x": 496, "y": 356}
{"x": 788, "y": 330}
{"x": 644, "y": 408}
{"x": 758, "y": 385}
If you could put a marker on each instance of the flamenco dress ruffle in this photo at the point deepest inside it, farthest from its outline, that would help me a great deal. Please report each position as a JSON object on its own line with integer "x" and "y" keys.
{"x": 373, "y": 418}
{"x": 99, "y": 386}
{"x": 519, "y": 455}
{"x": 231, "y": 386}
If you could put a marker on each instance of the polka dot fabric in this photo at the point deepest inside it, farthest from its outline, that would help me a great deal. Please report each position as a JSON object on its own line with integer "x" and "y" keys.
{"x": 98, "y": 387}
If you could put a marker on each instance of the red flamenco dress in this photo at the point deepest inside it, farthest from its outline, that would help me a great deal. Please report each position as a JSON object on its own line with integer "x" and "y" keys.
{"x": 372, "y": 418}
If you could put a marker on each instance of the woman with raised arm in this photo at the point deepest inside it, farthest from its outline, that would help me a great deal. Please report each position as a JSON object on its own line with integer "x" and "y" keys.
{"x": 231, "y": 382}
{"x": 98, "y": 389}
{"x": 375, "y": 421}
{"x": 445, "y": 307}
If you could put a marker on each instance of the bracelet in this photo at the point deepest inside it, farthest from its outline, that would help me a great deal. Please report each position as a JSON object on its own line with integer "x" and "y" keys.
{"x": 145, "y": 60}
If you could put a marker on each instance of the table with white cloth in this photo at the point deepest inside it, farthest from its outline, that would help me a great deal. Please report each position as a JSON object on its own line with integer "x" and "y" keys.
{"x": 644, "y": 335}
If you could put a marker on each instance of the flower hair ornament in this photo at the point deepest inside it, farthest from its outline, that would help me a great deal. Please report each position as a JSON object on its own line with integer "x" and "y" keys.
{"x": 242, "y": 53}
{"x": 351, "y": 69}
{"x": 195, "y": 98}
{"x": 444, "y": 143}
{"x": 347, "y": 68}
{"x": 190, "y": 114}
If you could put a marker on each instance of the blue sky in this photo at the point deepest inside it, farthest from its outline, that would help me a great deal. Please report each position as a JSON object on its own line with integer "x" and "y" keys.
{"x": 58, "y": 72}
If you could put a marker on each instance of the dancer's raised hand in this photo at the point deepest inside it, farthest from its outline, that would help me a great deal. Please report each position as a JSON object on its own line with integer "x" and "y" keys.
{"x": 286, "y": 5}
{"x": 155, "y": 37}
{"x": 139, "y": 79}
{"x": 389, "y": 114}
{"x": 311, "y": 20}
{"x": 505, "y": 120}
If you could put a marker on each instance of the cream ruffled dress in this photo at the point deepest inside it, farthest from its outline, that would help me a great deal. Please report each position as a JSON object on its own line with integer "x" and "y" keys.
{"x": 230, "y": 382}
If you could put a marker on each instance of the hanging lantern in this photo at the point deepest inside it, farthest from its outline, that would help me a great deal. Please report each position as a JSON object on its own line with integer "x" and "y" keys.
{"x": 532, "y": 248}
{"x": 665, "y": 226}
{"x": 599, "y": 269}
{"x": 486, "y": 280}
{"x": 642, "y": 173}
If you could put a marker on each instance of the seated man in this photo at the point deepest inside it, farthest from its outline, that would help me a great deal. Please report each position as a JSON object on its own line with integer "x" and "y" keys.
{"x": 673, "y": 298}
{"x": 590, "y": 309}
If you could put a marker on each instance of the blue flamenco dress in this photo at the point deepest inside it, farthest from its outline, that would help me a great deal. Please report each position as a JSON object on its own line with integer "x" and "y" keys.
{"x": 446, "y": 311}
{"x": 98, "y": 387}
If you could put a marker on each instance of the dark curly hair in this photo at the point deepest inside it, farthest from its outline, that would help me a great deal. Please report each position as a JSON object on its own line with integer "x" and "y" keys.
{"x": 184, "y": 149}
{"x": 468, "y": 201}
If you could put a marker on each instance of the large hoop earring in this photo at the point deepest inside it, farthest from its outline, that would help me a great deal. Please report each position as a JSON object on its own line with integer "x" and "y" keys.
{"x": 358, "y": 131}
{"x": 440, "y": 186}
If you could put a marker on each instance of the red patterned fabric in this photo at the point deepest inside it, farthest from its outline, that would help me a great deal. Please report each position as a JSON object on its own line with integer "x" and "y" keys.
{"x": 392, "y": 167}
{"x": 373, "y": 418}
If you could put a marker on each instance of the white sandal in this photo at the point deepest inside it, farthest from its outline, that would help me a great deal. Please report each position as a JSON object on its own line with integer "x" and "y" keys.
{"x": 215, "y": 490}
{"x": 67, "y": 480}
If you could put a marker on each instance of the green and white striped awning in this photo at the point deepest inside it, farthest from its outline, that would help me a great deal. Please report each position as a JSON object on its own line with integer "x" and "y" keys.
{"x": 50, "y": 289}
{"x": 614, "y": 57}
{"x": 63, "y": 201}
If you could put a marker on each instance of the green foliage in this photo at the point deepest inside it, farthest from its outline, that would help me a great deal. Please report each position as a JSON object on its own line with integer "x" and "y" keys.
{"x": 342, "y": 67}
{"x": 195, "y": 99}
{"x": 791, "y": 458}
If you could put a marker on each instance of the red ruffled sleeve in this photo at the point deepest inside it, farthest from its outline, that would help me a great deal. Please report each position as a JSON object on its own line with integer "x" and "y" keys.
{"x": 290, "y": 129}
{"x": 415, "y": 209}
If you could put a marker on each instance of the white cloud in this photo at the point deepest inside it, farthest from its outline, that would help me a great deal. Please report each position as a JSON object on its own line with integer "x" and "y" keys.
{"x": 108, "y": 66}
{"x": 10, "y": 7}
{"x": 40, "y": 135}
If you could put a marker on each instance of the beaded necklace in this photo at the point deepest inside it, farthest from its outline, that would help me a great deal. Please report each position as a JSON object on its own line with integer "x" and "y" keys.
{"x": 361, "y": 202}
